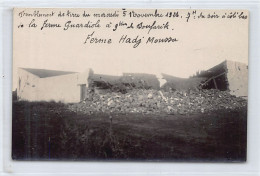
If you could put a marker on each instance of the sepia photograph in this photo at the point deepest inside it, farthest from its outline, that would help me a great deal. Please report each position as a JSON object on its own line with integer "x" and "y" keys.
{"x": 98, "y": 84}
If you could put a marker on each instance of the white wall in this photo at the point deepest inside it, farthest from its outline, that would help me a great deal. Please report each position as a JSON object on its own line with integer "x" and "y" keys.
{"x": 64, "y": 88}
{"x": 237, "y": 78}
{"x": 27, "y": 88}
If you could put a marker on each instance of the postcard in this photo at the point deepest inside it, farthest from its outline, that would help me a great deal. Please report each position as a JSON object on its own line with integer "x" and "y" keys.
{"x": 130, "y": 84}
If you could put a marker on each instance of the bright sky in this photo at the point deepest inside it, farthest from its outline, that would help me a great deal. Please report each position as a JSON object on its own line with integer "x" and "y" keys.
{"x": 201, "y": 45}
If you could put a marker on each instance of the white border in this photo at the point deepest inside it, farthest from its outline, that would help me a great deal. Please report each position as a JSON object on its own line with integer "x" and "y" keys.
{"x": 9, "y": 167}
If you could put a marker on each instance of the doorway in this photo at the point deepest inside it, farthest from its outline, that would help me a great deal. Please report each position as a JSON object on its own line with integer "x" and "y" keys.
{"x": 82, "y": 91}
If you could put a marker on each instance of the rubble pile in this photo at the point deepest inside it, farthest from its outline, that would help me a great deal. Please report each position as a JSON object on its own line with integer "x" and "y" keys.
{"x": 154, "y": 101}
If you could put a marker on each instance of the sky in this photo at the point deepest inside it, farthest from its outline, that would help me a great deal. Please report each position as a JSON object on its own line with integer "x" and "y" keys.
{"x": 200, "y": 46}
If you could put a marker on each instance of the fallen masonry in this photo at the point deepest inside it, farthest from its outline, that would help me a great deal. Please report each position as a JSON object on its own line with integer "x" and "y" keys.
{"x": 154, "y": 101}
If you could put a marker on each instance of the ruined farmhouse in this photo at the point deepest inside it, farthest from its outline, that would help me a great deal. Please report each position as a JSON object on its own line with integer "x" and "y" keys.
{"x": 72, "y": 87}
{"x": 228, "y": 75}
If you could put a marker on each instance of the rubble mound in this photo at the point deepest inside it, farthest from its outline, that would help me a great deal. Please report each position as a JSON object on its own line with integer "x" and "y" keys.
{"x": 154, "y": 101}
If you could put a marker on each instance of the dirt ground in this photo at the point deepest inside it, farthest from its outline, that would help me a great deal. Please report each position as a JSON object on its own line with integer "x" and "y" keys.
{"x": 49, "y": 131}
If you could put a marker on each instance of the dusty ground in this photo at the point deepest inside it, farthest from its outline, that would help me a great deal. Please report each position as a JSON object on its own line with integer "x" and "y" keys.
{"x": 49, "y": 131}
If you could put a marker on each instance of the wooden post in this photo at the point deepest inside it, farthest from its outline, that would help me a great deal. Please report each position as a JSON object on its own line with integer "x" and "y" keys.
{"x": 215, "y": 83}
{"x": 213, "y": 79}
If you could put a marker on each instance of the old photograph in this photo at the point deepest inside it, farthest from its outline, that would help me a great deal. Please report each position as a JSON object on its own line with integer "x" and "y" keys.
{"x": 130, "y": 84}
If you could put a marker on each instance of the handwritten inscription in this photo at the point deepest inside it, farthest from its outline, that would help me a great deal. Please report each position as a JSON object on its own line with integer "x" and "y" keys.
{"x": 125, "y": 27}
{"x": 92, "y": 39}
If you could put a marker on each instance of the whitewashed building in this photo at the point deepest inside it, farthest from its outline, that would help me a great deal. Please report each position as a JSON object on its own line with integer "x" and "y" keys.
{"x": 52, "y": 85}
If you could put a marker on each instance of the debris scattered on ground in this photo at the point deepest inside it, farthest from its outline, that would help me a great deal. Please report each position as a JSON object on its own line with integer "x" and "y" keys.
{"x": 154, "y": 101}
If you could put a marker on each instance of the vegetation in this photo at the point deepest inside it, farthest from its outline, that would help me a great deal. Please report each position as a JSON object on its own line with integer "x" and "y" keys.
{"x": 49, "y": 131}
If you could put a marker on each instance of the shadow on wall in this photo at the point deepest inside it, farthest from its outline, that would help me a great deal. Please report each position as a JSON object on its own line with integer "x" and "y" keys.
{"x": 14, "y": 95}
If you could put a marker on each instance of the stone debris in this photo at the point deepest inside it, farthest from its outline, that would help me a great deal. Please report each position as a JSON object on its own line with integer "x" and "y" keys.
{"x": 154, "y": 101}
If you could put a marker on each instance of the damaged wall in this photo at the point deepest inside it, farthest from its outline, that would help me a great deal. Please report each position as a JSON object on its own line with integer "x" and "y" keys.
{"x": 72, "y": 87}
{"x": 184, "y": 84}
{"x": 237, "y": 75}
{"x": 228, "y": 75}
{"x": 141, "y": 80}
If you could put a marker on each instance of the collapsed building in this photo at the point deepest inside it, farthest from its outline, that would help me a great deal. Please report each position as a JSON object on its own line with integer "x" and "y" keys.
{"x": 173, "y": 83}
{"x": 73, "y": 87}
{"x": 227, "y": 76}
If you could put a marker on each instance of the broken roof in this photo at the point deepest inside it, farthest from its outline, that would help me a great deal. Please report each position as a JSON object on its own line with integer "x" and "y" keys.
{"x": 105, "y": 78}
{"x": 218, "y": 69}
{"x": 42, "y": 73}
{"x": 177, "y": 83}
